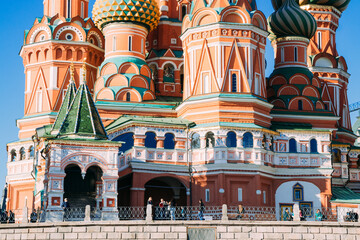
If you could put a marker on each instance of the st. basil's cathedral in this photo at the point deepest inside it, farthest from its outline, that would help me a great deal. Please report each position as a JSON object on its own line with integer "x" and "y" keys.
{"x": 169, "y": 99}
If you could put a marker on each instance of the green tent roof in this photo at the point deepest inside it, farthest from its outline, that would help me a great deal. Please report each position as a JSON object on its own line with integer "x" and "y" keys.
{"x": 83, "y": 119}
{"x": 65, "y": 106}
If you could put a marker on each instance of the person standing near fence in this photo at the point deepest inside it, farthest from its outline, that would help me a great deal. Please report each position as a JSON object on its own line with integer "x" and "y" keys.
{"x": 318, "y": 215}
{"x": 33, "y": 216}
{"x": 150, "y": 201}
{"x": 162, "y": 208}
{"x": 287, "y": 215}
{"x": 172, "y": 209}
{"x": 66, "y": 207}
{"x": 201, "y": 209}
{"x": 3, "y": 216}
{"x": 11, "y": 217}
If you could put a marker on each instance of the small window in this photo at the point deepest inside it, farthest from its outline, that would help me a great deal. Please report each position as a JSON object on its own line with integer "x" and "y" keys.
{"x": 22, "y": 153}
{"x": 169, "y": 142}
{"x": 313, "y": 146}
{"x": 300, "y": 105}
{"x": 231, "y": 140}
{"x": 295, "y": 54}
{"x": 234, "y": 83}
{"x": 210, "y": 140}
{"x": 82, "y": 10}
{"x": 150, "y": 140}
{"x": 183, "y": 11}
{"x": 69, "y": 37}
{"x": 319, "y": 36}
{"x": 69, "y": 8}
{"x": 206, "y": 84}
{"x": 272, "y": 143}
{"x": 207, "y": 195}
{"x": 114, "y": 43}
{"x": 13, "y": 155}
{"x": 240, "y": 196}
{"x": 128, "y": 97}
{"x": 264, "y": 197}
{"x": 31, "y": 152}
{"x": 292, "y": 146}
{"x": 248, "y": 140}
{"x": 282, "y": 54}
{"x": 130, "y": 43}
{"x": 195, "y": 141}
{"x": 298, "y": 192}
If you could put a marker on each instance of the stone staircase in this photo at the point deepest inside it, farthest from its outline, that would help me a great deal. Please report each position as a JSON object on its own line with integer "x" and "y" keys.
{"x": 80, "y": 200}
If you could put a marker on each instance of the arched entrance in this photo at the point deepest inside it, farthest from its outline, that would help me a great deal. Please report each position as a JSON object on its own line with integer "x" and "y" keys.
{"x": 167, "y": 188}
{"x": 83, "y": 190}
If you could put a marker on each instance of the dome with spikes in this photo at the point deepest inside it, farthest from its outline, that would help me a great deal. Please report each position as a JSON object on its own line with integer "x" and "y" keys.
{"x": 291, "y": 20}
{"x": 341, "y": 5}
{"x": 139, "y": 11}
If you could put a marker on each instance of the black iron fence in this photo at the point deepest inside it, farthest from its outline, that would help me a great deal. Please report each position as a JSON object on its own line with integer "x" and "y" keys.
{"x": 183, "y": 213}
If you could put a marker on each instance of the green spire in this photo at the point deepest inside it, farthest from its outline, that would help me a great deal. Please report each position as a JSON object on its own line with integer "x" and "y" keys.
{"x": 65, "y": 106}
{"x": 83, "y": 120}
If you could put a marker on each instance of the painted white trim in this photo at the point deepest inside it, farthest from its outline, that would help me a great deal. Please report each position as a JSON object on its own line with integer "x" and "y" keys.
{"x": 305, "y": 117}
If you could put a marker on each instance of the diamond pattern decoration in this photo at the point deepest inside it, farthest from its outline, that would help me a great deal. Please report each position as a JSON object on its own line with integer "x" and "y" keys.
{"x": 141, "y": 11}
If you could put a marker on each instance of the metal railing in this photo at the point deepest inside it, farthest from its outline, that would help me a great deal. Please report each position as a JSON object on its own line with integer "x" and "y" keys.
{"x": 187, "y": 213}
{"x": 252, "y": 213}
{"x": 184, "y": 213}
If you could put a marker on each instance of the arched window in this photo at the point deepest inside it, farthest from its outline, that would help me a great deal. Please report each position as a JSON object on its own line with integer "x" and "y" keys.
{"x": 263, "y": 143}
{"x": 31, "y": 152}
{"x": 292, "y": 146}
{"x": 210, "y": 140}
{"x": 169, "y": 73}
{"x": 300, "y": 105}
{"x": 183, "y": 11}
{"x": 13, "y": 155}
{"x": 150, "y": 140}
{"x": 130, "y": 43}
{"x": 195, "y": 141}
{"x": 128, "y": 139}
{"x": 298, "y": 192}
{"x": 169, "y": 142}
{"x": 128, "y": 97}
{"x": 69, "y": 9}
{"x": 319, "y": 40}
{"x": 231, "y": 140}
{"x": 22, "y": 153}
{"x": 313, "y": 146}
{"x": 248, "y": 141}
{"x": 234, "y": 83}
{"x": 336, "y": 155}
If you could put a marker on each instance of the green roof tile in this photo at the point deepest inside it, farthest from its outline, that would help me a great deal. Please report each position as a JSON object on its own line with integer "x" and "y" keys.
{"x": 344, "y": 195}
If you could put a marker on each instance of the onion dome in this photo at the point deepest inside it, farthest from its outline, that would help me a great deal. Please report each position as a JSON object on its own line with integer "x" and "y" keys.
{"x": 140, "y": 11}
{"x": 341, "y": 5}
{"x": 291, "y": 20}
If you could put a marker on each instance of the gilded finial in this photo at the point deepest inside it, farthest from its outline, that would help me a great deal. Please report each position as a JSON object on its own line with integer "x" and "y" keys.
{"x": 72, "y": 72}
{"x": 84, "y": 71}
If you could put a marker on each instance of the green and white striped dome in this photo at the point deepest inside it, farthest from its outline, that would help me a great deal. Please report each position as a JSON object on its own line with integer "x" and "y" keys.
{"x": 291, "y": 20}
{"x": 341, "y": 5}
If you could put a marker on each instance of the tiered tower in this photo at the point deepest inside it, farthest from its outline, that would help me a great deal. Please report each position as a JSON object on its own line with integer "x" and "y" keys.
{"x": 292, "y": 87}
{"x": 53, "y": 42}
{"x": 225, "y": 64}
{"x": 124, "y": 76}
{"x": 165, "y": 56}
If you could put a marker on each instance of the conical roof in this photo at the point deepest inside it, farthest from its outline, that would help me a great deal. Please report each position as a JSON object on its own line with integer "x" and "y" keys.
{"x": 66, "y": 104}
{"x": 83, "y": 120}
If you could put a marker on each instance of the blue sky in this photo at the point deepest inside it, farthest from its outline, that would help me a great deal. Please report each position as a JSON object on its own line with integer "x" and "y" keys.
{"x": 19, "y": 15}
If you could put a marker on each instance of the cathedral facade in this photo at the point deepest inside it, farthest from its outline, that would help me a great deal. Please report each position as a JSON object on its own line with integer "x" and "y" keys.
{"x": 169, "y": 99}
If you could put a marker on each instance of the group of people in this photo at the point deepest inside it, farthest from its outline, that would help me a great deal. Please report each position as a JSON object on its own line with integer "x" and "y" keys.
{"x": 7, "y": 217}
{"x": 289, "y": 216}
{"x": 167, "y": 210}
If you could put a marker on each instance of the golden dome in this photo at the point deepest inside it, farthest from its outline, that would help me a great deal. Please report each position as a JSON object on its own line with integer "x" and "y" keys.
{"x": 141, "y": 11}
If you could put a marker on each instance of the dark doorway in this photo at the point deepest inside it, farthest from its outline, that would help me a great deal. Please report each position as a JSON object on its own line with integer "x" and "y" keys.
{"x": 124, "y": 193}
{"x": 82, "y": 191}
{"x": 167, "y": 188}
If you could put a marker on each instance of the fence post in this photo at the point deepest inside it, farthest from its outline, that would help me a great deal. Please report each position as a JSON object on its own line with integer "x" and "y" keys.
{"x": 149, "y": 213}
{"x": 87, "y": 213}
{"x": 25, "y": 213}
{"x": 224, "y": 216}
{"x": 296, "y": 211}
